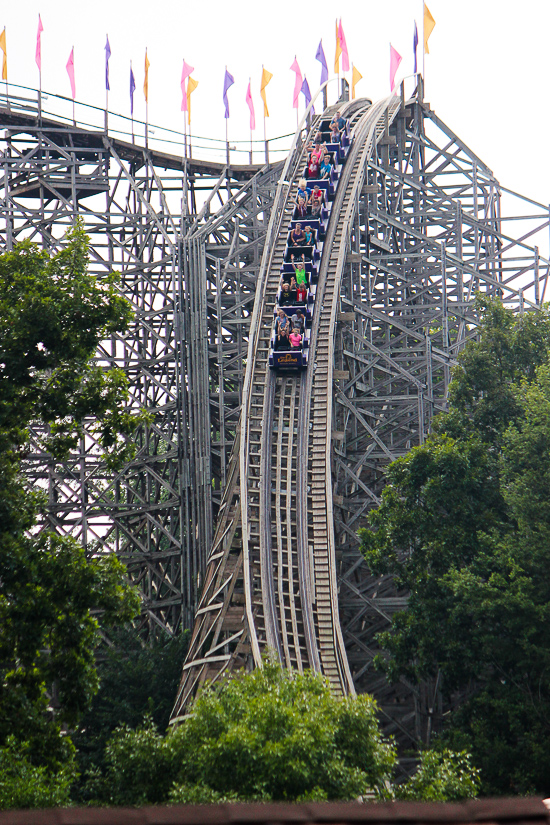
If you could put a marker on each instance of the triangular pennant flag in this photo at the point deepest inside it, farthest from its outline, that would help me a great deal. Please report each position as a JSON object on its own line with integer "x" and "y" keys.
{"x": 356, "y": 76}
{"x": 338, "y": 51}
{"x": 297, "y": 84}
{"x": 344, "y": 47}
{"x": 320, "y": 56}
{"x": 395, "y": 60}
{"x": 5, "y": 58}
{"x": 70, "y": 72}
{"x": 429, "y": 24}
{"x": 228, "y": 81}
{"x": 38, "y": 54}
{"x": 266, "y": 77}
{"x": 250, "y": 103}
{"x": 191, "y": 86}
{"x": 146, "y": 79}
{"x": 185, "y": 72}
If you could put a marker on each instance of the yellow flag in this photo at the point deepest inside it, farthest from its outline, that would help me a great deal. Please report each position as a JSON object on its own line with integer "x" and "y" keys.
{"x": 146, "y": 81}
{"x": 338, "y": 51}
{"x": 266, "y": 77}
{"x": 429, "y": 24}
{"x": 5, "y": 60}
{"x": 191, "y": 86}
{"x": 356, "y": 76}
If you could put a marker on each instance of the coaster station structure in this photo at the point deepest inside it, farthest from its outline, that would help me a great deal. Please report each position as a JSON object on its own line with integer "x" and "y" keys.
{"x": 423, "y": 225}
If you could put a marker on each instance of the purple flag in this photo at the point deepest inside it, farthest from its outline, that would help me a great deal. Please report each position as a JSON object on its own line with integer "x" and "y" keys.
{"x": 132, "y": 89}
{"x": 320, "y": 56}
{"x": 227, "y": 83}
{"x": 107, "y": 56}
{"x": 415, "y": 45}
{"x": 306, "y": 93}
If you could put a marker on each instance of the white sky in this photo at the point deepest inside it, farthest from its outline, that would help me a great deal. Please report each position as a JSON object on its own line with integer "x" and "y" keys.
{"x": 486, "y": 75}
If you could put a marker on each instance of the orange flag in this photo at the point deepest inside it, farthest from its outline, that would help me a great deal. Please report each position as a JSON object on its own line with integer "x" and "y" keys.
{"x": 5, "y": 60}
{"x": 429, "y": 24}
{"x": 338, "y": 50}
{"x": 191, "y": 86}
{"x": 356, "y": 76}
{"x": 266, "y": 77}
{"x": 146, "y": 81}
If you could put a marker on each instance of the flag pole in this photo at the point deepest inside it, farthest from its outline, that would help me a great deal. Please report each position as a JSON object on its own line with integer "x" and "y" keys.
{"x": 250, "y": 87}
{"x": 106, "y": 84}
{"x": 132, "y": 105}
{"x": 265, "y": 132}
{"x": 338, "y": 72}
{"x": 38, "y": 58}
{"x": 185, "y": 131}
{"x": 226, "y": 130}
{"x": 5, "y": 63}
{"x": 74, "y": 116}
{"x": 423, "y": 45}
{"x": 146, "y": 102}
{"x": 226, "y": 141}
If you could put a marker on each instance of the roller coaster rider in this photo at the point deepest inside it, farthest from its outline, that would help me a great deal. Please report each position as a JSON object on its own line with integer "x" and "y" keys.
{"x": 303, "y": 191}
{"x": 300, "y": 270}
{"x": 297, "y": 236}
{"x": 299, "y": 321}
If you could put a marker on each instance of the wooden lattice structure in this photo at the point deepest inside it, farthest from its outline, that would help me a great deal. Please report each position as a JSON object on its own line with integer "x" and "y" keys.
{"x": 421, "y": 225}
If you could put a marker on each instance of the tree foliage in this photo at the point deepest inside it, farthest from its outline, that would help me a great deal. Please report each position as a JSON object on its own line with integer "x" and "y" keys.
{"x": 463, "y": 527}
{"x": 24, "y": 785}
{"x": 268, "y": 735}
{"x": 137, "y": 680}
{"x": 442, "y": 776}
{"x": 52, "y": 316}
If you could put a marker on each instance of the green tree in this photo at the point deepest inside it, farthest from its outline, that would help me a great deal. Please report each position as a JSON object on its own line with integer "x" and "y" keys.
{"x": 24, "y": 785}
{"x": 442, "y": 776}
{"x": 268, "y": 735}
{"x": 265, "y": 735}
{"x": 463, "y": 527}
{"x": 136, "y": 680}
{"x": 52, "y": 316}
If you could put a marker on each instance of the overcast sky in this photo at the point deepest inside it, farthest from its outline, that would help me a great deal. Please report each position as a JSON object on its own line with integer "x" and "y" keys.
{"x": 486, "y": 74}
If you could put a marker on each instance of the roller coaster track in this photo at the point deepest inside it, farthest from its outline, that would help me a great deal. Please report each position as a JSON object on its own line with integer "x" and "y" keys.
{"x": 271, "y": 576}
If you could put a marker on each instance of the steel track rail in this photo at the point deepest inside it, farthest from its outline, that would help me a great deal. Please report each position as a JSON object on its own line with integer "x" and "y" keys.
{"x": 257, "y": 417}
{"x": 316, "y": 420}
{"x": 287, "y": 581}
{"x": 285, "y": 593}
{"x": 211, "y": 653}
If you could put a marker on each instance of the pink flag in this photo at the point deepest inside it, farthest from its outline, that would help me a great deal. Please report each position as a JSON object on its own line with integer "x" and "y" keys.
{"x": 395, "y": 60}
{"x": 298, "y": 84}
{"x": 70, "y": 72}
{"x": 185, "y": 72}
{"x": 251, "y": 107}
{"x": 38, "y": 55}
{"x": 344, "y": 47}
